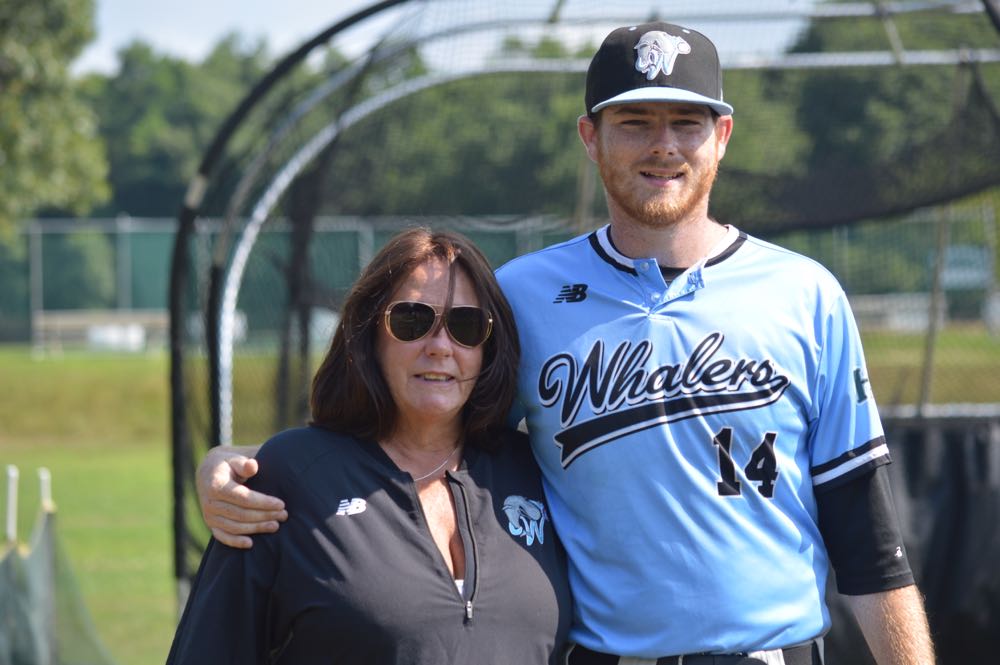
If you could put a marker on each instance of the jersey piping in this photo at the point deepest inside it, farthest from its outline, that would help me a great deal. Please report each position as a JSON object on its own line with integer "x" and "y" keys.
{"x": 851, "y": 464}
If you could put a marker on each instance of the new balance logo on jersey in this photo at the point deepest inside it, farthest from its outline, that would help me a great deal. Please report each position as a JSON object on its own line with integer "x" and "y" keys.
{"x": 525, "y": 517}
{"x": 627, "y": 396}
{"x": 572, "y": 293}
{"x": 351, "y": 506}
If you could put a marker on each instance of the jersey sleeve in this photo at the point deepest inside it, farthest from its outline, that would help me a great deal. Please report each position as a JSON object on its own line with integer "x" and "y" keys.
{"x": 845, "y": 433}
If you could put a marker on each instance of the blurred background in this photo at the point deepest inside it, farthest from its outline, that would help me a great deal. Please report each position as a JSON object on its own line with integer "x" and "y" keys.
{"x": 186, "y": 190}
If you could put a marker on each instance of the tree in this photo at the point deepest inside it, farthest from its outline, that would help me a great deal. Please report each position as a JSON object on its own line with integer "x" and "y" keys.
{"x": 493, "y": 144}
{"x": 159, "y": 113}
{"x": 874, "y": 114}
{"x": 50, "y": 154}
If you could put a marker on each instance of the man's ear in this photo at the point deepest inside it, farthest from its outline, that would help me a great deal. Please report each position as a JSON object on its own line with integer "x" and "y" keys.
{"x": 723, "y": 131}
{"x": 588, "y": 134}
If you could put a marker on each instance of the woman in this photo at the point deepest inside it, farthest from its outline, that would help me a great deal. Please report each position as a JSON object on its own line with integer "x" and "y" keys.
{"x": 417, "y": 528}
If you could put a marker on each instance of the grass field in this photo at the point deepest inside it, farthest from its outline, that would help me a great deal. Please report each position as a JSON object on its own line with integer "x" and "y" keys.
{"x": 99, "y": 422}
{"x": 966, "y": 366}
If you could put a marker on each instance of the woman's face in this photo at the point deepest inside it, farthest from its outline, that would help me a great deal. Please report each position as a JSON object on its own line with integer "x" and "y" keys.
{"x": 430, "y": 379}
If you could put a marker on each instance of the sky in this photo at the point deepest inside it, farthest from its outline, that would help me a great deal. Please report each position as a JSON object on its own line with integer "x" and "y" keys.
{"x": 190, "y": 28}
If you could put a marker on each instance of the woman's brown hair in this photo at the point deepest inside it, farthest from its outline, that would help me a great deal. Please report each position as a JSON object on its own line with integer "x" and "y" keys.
{"x": 349, "y": 393}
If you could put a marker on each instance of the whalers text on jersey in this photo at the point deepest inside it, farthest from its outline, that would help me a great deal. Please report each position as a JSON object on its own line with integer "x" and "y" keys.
{"x": 635, "y": 398}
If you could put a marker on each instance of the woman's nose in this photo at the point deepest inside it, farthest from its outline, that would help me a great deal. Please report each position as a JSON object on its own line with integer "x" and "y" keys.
{"x": 439, "y": 342}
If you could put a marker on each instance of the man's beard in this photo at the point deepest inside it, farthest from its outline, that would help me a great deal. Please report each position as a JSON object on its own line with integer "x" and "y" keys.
{"x": 660, "y": 210}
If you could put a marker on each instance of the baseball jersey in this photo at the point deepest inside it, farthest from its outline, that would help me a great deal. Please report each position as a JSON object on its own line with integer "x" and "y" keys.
{"x": 354, "y": 576}
{"x": 683, "y": 429}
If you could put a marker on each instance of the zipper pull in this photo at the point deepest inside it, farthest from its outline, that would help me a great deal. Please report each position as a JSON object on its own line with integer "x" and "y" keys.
{"x": 468, "y": 610}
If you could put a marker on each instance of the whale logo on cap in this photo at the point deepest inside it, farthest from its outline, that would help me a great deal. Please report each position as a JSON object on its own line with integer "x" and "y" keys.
{"x": 658, "y": 52}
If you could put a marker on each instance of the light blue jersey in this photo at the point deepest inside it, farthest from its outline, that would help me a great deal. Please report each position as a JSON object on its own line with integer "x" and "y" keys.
{"x": 682, "y": 430}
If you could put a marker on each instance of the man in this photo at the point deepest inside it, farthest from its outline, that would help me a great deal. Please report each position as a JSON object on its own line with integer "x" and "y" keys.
{"x": 697, "y": 400}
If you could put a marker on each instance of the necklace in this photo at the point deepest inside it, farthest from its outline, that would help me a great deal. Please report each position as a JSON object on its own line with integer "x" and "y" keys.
{"x": 439, "y": 467}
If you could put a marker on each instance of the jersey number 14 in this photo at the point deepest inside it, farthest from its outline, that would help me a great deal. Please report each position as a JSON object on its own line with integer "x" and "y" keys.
{"x": 762, "y": 467}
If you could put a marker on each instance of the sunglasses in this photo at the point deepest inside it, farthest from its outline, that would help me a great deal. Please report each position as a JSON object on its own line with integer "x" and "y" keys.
{"x": 408, "y": 321}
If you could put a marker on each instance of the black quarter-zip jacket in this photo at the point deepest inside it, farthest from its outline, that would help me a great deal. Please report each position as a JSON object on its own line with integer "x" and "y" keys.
{"x": 353, "y": 576}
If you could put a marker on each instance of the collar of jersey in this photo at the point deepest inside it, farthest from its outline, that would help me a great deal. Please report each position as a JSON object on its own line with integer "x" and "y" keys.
{"x": 601, "y": 242}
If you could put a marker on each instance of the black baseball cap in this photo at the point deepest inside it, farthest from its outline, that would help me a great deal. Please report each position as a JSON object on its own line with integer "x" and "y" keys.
{"x": 655, "y": 62}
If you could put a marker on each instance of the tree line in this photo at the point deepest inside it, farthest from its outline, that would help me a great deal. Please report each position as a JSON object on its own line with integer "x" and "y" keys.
{"x": 806, "y": 142}
{"x": 105, "y": 144}
{"x": 128, "y": 142}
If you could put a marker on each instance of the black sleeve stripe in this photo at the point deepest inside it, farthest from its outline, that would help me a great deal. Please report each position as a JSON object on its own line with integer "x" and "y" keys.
{"x": 849, "y": 475}
{"x": 851, "y": 464}
{"x": 848, "y": 456}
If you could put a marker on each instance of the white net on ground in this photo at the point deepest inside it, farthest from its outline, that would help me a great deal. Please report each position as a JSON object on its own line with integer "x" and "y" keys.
{"x": 43, "y": 618}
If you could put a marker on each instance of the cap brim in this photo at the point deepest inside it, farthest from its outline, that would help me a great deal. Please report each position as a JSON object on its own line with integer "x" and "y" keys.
{"x": 665, "y": 94}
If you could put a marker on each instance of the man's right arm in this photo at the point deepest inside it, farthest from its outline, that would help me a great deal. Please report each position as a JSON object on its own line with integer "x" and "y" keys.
{"x": 895, "y": 626}
{"x": 230, "y": 509}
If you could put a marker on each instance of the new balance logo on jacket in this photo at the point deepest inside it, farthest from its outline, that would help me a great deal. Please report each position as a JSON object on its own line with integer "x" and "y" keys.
{"x": 351, "y": 506}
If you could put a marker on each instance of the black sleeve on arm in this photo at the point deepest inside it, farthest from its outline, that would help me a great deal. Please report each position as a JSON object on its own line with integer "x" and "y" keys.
{"x": 861, "y": 531}
{"x": 223, "y": 621}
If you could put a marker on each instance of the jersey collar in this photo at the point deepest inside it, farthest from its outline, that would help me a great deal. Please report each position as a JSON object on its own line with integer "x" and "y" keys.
{"x": 600, "y": 240}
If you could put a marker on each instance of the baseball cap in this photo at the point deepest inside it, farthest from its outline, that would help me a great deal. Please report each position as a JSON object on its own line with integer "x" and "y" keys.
{"x": 655, "y": 62}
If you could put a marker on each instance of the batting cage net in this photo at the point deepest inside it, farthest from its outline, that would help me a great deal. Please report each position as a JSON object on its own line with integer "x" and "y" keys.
{"x": 866, "y": 136}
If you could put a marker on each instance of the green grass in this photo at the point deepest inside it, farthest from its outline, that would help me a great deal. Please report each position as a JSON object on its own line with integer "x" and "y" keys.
{"x": 99, "y": 423}
{"x": 966, "y": 366}
{"x": 90, "y": 397}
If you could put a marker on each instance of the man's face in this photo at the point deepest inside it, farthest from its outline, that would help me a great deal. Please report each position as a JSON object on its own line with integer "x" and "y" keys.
{"x": 658, "y": 160}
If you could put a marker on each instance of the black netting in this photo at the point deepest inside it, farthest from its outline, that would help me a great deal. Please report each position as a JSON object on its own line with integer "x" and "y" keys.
{"x": 946, "y": 482}
{"x": 957, "y": 158}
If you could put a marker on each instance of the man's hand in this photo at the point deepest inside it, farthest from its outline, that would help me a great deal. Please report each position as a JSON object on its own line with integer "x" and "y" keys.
{"x": 229, "y": 508}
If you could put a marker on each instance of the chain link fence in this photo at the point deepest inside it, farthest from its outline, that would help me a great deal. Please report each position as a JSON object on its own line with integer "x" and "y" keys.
{"x": 923, "y": 287}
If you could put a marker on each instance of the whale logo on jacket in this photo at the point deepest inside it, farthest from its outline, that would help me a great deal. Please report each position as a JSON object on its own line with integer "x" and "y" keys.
{"x": 525, "y": 517}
